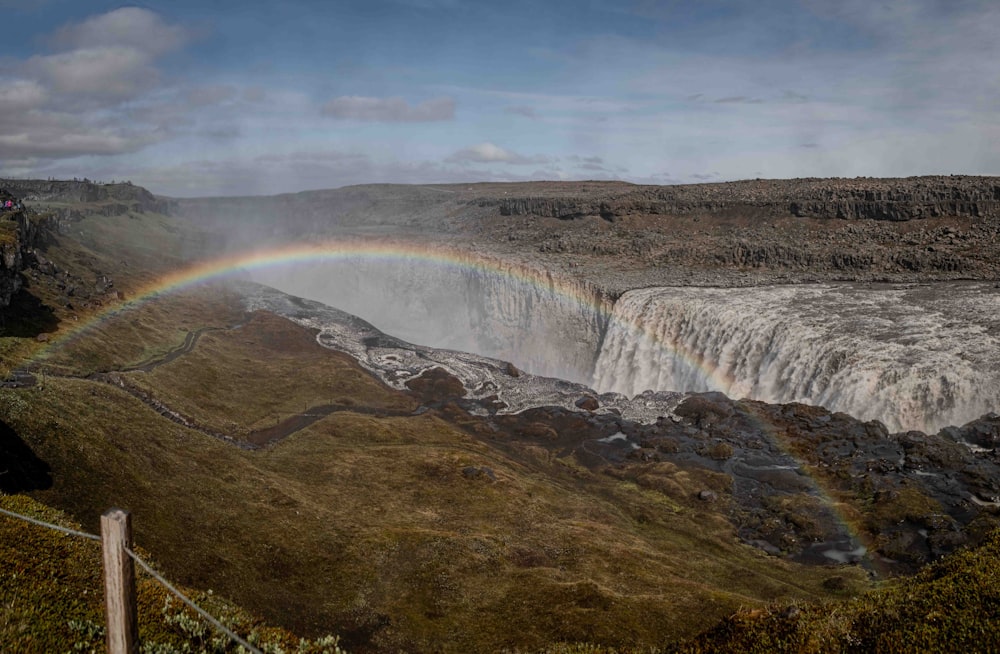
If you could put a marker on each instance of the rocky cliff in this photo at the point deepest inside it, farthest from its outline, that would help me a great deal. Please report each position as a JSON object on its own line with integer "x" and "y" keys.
{"x": 20, "y": 232}
{"x": 113, "y": 199}
{"x": 856, "y": 199}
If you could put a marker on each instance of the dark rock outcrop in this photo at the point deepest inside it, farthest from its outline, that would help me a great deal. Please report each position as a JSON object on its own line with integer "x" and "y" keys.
{"x": 20, "y": 232}
{"x": 111, "y": 199}
{"x": 852, "y": 199}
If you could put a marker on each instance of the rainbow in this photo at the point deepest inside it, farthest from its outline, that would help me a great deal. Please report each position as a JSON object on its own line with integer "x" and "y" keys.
{"x": 242, "y": 264}
{"x": 239, "y": 265}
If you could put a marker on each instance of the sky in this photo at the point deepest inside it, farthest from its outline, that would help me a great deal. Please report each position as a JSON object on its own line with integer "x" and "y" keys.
{"x": 221, "y": 97}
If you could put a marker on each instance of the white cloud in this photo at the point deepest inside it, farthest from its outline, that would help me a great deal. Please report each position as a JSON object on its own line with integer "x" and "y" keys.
{"x": 111, "y": 74}
{"x": 200, "y": 96}
{"x": 92, "y": 96}
{"x": 390, "y": 110}
{"x": 131, "y": 27}
{"x": 21, "y": 95}
{"x": 254, "y": 94}
{"x": 54, "y": 139}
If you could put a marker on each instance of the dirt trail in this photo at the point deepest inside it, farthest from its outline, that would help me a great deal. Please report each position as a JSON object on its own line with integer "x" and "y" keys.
{"x": 28, "y": 377}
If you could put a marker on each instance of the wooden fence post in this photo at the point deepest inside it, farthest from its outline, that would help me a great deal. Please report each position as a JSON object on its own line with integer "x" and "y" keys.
{"x": 119, "y": 582}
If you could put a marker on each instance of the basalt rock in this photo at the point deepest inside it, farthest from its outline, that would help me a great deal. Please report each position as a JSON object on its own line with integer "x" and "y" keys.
{"x": 115, "y": 199}
{"x": 851, "y": 199}
{"x": 20, "y": 232}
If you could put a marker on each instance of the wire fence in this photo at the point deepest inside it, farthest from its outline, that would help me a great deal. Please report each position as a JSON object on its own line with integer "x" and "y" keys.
{"x": 149, "y": 570}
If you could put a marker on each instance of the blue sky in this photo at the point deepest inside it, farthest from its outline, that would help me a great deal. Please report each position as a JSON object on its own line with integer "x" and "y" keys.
{"x": 224, "y": 97}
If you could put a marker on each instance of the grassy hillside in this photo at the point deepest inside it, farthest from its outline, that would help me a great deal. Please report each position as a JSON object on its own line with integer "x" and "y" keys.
{"x": 366, "y": 525}
{"x": 950, "y": 606}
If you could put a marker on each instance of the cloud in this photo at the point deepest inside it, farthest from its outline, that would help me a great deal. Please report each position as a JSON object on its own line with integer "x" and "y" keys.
{"x": 131, "y": 27}
{"x": 111, "y": 74}
{"x": 389, "y": 110}
{"x": 54, "y": 137}
{"x": 490, "y": 153}
{"x": 520, "y": 110}
{"x": 88, "y": 97}
{"x": 21, "y": 95}
{"x": 254, "y": 94}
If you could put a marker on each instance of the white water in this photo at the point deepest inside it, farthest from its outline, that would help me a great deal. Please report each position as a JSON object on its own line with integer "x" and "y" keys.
{"x": 917, "y": 357}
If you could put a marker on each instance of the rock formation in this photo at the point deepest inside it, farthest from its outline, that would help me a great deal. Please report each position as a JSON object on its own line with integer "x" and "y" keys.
{"x": 20, "y": 232}
{"x": 116, "y": 198}
{"x": 852, "y": 199}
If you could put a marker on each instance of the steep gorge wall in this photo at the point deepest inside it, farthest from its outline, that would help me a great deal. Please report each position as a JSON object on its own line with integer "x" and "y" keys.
{"x": 854, "y": 199}
{"x": 20, "y": 233}
{"x": 496, "y": 308}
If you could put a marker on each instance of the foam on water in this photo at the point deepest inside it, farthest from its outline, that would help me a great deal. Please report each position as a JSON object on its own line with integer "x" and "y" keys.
{"x": 913, "y": 357}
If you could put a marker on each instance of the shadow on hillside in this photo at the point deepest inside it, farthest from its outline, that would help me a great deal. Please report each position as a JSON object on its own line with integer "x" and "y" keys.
{"x": 27, "y": 316}
{"x": 20, "y": 469}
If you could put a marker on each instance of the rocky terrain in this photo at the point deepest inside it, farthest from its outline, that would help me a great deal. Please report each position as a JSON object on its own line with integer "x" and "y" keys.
{"x": 113, "y": 199}
{"x": 760, "y": 231}
{"x": 850, "y": 199}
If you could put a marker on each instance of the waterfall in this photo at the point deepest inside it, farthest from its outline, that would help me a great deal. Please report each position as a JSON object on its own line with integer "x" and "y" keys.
{"x": 916, "y": 357}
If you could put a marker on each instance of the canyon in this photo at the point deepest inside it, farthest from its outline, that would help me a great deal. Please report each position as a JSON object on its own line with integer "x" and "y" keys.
{"x": 856, "y": 295}
{"x": 771, "y": 389}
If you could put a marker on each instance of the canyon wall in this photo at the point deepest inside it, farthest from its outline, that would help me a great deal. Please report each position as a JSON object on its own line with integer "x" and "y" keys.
{"x": 855, "y": 199}
{"x": 492, "y": 307}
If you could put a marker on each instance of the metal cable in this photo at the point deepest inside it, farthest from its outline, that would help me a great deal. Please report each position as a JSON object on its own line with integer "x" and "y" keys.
{"x": 42, "y": 523}
{"x": 200, "y": 611}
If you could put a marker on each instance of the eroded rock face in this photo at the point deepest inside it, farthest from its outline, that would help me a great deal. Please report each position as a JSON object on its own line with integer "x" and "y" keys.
{"x": 851, "y": 199}
{"x": 20, "y": 233}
